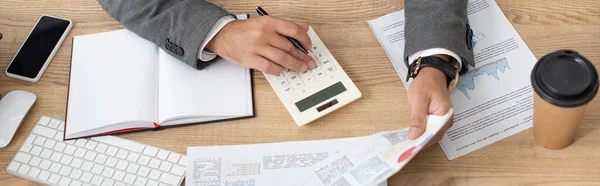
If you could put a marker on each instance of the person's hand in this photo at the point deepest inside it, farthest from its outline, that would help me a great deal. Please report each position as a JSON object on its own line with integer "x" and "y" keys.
{"x": 259, "y": 43}
{"x": 428, "y": 95}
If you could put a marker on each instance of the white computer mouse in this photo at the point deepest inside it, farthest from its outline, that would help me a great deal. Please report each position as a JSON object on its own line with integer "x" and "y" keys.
{"x": 14, "y": 106}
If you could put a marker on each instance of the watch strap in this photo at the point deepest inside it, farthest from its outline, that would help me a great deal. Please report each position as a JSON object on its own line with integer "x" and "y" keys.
{"x": 447, "y": 67}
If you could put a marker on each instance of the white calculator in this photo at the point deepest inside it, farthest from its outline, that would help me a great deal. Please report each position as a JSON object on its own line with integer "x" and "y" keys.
{"x": 314, "y": 93}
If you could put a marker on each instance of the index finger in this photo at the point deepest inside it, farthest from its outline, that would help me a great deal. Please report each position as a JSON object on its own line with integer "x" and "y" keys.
{"x": 288, "y": 28}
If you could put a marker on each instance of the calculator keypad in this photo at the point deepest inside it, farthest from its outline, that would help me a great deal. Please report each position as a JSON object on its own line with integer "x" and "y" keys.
{"x": 290, "y": 81}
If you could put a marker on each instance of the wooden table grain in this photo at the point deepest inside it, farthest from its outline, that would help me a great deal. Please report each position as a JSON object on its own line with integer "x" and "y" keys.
{"x": 545, "y": 26}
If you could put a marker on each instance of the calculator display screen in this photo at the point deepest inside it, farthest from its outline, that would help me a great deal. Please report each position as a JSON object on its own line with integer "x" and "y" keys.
{"x": 320, "y": 96}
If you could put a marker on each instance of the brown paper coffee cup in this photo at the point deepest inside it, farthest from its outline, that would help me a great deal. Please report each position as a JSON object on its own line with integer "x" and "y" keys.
{"x": 564, "y": 82}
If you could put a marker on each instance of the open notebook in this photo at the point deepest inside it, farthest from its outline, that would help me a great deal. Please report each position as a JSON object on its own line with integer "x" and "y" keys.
{"x": 121, "y": 82}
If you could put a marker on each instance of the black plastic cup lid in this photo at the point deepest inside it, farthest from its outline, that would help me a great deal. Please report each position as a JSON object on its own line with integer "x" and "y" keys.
{"x": 565, "y": 78}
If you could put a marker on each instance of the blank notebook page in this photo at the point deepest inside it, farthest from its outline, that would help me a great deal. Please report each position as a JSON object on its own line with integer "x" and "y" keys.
{"x": 113, "y": 80}
{"x": 220, "y": 91}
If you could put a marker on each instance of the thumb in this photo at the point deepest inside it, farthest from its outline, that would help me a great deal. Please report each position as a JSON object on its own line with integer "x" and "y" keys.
{"x": 418, "y": 116}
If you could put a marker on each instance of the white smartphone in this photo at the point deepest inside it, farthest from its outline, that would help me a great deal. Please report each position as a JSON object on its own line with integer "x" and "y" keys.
{"x": 39, "y": 48}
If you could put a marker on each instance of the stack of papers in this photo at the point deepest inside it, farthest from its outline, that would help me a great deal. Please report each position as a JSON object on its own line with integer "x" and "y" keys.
{"x": 367, "y": 160}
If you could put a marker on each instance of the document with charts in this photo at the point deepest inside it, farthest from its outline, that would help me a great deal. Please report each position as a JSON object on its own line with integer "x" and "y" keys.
{"x": 367, "y": 160}
{"x": 503, "y": 64}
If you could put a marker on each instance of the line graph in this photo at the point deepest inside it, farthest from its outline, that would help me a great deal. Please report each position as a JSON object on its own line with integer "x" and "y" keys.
{"x": 467, "y": 81}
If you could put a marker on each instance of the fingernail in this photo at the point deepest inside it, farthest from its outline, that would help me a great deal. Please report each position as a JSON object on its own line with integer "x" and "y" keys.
{"x": 303, "y": 68}
{"x": 414, "y": 132}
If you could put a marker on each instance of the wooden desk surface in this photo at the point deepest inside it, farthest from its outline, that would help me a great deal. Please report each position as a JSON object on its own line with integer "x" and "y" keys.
{"x": 545, "y": 26}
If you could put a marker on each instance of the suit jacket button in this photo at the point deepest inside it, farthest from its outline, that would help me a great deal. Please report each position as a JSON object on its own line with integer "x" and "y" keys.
{"x": 179, "y": 51}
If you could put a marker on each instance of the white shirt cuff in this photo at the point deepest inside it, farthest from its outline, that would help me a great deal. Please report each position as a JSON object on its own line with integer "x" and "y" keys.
{"x": 206, "y": 55}
{"x": 434, "y": 51}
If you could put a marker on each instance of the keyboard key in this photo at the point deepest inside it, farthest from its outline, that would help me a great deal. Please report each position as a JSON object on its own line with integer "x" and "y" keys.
{"x": 26, "y": 148}
{"x": 173, "y": 158}
{"x": 101, "y": 158}
{"x": 140, "y": 181}
{"x": 111, "y": 162}
{"x": 111, "y": 151}
{"x": 56, "y": 156}
{"x": 80, "y": 152}
{"x": 76, "y": 173}
{"x": 183, "y": 160}
{"x": 40, "y": 140}
{"x": 169, "y": 179}
{"x": 133, "y": 157}
{"x": 129, "y": 179}
{"x": 320, "y": 74}
{"x": 54, "y": 178}
{"x": 154, "y": 174}
{"x": 66, "y": 159}
{"x": 22, "y": 157}
{"x": 44, "y": 131}
{"x": 70, "y": 149}
{"x": 59, "y": 136}
{"x": 154, "y": 163}
{"x": 165, "y": 166}
{"x": 162, "y": 154}
{"x": 75, "y": 183}
{"x": 80, "y": 142}
{"x": 97, "y": 169}
{"x": 108, "y": 182}
{"x": 90, "y": 155}
{"x": 13, "y": 166}
{"x": 64, "y": 181}
{"x": 152, "y": 183}
{"x": 59, "y": 147}
{"x": 97, "y": 180}
{"x": 24, "y": 169}
{"x": 298, "y": 85}
{"x": 35, "y": 161}
{"x": 119, "y": 184}
{"x": 325, "y": 62}
{"x": 331, "y": 68}
{"x": 122, "y": 154}
{"x": 87, "y": 166}
{"x": 55, "y": 167}
{"x": 118, "y": 175}
{"x": 123, "y": 143}
{"x": 178, "y": 170}
{"x": 150, "y": 151}
{"x": 144, "y": 171}
{"x": 132, "y": 168}
{"x": 283, "y": 83}
{"x": 108, "y": 172}
{"x": 45, "y": 164}
{"x": 288, "y": 90}
{"x": 122, "y": 165}
{"x": 65, "y": 170}
{"x": 44, "y": 175}
{"x": 91, "y": 145}
{"x": 294, "y": 78}
{"x": 44, "y": 121}
{"x": 144, "y": 160}
{"x": 36, "y": 150}
{"x": 86, "y": 177}
{"x": 76, "y": 162}
{"x": 34, "y": 172}
{"x": 54, "y": 123}
{"x": 101, "y": 148}
{"x": 61, "y": 126}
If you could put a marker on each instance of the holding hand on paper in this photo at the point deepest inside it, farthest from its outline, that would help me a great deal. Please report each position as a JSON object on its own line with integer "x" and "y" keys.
{"x": 438, "y": 49}
{"x": 258, "y": 43}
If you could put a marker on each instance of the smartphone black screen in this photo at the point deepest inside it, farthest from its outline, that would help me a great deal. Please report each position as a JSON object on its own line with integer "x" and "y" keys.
{"x": 38, "y": 47}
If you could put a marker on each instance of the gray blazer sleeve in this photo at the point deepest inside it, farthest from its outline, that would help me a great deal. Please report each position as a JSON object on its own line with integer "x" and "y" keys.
{"x": 438, "y": 24}
{"x": 177, "y": 26}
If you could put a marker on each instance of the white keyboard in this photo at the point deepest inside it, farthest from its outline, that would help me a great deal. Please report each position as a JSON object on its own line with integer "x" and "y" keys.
{"x": 101, "y": 161}
{"x": 314, "y": 93}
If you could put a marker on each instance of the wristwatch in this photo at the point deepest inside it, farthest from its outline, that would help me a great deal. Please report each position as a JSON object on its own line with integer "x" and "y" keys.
{"x": 450, "y": 68}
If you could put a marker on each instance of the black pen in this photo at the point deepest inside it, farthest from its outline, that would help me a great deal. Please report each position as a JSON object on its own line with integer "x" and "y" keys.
{"x": 297, "y": 44}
